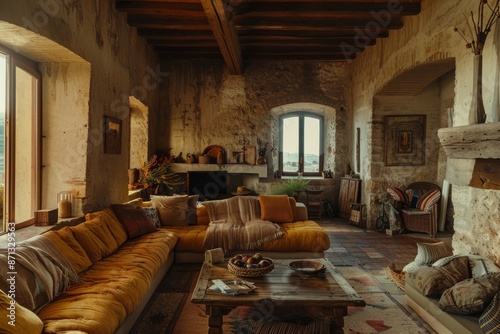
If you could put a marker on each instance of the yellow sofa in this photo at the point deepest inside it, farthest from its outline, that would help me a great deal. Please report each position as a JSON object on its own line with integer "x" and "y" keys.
{"x": 118, "y": 273}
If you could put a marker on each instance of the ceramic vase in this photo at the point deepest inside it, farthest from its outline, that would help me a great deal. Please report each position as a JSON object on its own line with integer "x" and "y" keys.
{"x": 476, "y": 113}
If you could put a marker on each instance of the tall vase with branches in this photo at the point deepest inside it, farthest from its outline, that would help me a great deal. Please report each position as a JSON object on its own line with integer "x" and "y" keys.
{"x": 479, "y": 26}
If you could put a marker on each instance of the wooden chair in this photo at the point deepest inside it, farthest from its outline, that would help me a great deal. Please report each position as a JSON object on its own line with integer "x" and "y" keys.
{"x": 418, "y": 220}
{"x": 314, "y": 203}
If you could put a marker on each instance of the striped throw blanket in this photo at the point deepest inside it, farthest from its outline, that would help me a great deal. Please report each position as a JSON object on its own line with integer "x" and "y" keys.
{"x": 235, "y": 224}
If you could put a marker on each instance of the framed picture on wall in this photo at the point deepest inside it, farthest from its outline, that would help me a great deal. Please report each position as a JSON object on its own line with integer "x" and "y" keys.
{"x": 112, "y": 135}
{"x": 404, "y": 140}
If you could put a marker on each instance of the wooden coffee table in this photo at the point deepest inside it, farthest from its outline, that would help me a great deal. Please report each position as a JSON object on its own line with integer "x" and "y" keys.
{"x": 283, "y": 287}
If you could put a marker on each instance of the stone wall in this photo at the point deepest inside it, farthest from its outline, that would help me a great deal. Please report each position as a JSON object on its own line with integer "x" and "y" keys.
{"x": 204, "y": 105}
{"x": 428, "y": 37}
{"x": 118, "y": 65}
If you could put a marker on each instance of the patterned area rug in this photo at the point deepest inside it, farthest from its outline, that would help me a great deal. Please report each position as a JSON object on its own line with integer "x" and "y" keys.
{"x": 170, "y": 309}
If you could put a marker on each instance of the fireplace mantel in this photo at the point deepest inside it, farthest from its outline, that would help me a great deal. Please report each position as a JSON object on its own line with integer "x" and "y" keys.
{"x": 261, "y": 170}
{"x": 478, "y": 141}
{"x": 474, "y": 154}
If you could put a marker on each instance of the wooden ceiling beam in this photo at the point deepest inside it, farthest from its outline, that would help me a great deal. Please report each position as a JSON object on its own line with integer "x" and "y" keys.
{"x": 225, "y": 33}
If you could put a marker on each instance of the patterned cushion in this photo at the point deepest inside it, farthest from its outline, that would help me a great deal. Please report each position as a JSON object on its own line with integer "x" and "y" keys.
{"x": 432, "y": 281}
{"x": 398, "y": 194}
{"x": 489, "y": 321}
{"x": 478, "y": 265}
{"x": 428, "y": 253}
{"x": 134, "y": 220}
{"x": 427, "y": 200}
{"x": 470, "y": 296}
{"x": 152, "y": 214}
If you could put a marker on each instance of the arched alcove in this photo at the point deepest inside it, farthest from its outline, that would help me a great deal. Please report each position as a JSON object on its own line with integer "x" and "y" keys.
{"x": 428, "y": 90}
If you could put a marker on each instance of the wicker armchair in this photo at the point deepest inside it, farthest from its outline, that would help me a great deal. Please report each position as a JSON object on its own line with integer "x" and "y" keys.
{"x": 420, "y": 213}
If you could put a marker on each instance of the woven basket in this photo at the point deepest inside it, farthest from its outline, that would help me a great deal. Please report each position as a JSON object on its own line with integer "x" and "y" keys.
{"x": 250, "y": 272}
{"x": 396, "y": 275}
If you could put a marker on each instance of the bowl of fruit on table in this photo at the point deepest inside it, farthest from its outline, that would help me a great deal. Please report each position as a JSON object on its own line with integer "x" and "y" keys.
{"x": 250, "y": 265}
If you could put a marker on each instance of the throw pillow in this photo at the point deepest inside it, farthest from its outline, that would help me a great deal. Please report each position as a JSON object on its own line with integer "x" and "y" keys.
{"x": 470, "y": 296}
{"x": 171, "y": 209}
{"x": 478, "y": 265}
{"x": 276, "y": 208}
{"x": 115, "y": 227}
{"x": 152, "y": 214}
{"x": 134, "y": 220}
{"x": 20, "y": 321}
{"x": 398, "y": 194}
{"x": 427, "y": 200}
{"x": 489, "y": 321}
{"x": 428, "y": 253}
{"x": 432, "y": 281}
{"x": 191, "y": 214}
{"x": 64, "y": 240}
{"x": 95, "y": 247}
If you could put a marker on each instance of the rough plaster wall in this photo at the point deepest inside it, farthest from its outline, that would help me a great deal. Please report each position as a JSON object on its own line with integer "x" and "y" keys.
{"x": 425, "y": 38}
{"x": 65, "y": 129}
{"x": 477, "y": 217}
{"x": 121, "y": 65}
{"x": 206, "y": 106}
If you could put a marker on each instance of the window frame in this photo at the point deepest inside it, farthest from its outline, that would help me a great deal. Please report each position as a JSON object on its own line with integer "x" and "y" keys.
{"x": 15, "y": 60}
{"x": 301, "y": 115}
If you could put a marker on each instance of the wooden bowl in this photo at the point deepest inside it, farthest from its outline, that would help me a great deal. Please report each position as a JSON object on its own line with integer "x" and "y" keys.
{"x": 306, "y": 266}
{"x": 249, "y": 272}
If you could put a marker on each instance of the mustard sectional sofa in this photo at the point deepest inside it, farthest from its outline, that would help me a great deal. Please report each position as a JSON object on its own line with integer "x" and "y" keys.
{"x": 98, "y": 275}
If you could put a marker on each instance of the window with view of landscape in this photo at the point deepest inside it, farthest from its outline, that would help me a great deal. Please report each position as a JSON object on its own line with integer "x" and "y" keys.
{"x": 19, "y": 152}
{"x": 301, "y": 144}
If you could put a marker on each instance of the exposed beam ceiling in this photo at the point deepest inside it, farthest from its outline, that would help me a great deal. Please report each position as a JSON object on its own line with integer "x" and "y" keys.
{"x": 239, "y": 30}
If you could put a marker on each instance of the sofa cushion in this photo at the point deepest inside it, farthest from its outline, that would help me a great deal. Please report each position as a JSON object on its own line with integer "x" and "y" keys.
{"x": 202, "y": 215}
{"x": 22, "y": 321}
{"x": 171, "y": 209}
{"x": 152, "y": 214}
{"x": 115, "y": 227}
{"x": 470, "y": 296}
{"x": 305, "y": 236}
{"x": 478, "y": 265}
{"x": 134, "y": 220}
{"x": 428, "y": 200}
{"x": 64, "y": 240}
{"x": 111, "y": 289}
{"x": 191, "y": 214}
{"x": 398, "y": 194}
{"x": 427, "y": 254}
{"x": 432, "y": 281}
{"x": 489, "y": 321}
{"x": 95, "y": 239}
{"x": 276, "y": 208}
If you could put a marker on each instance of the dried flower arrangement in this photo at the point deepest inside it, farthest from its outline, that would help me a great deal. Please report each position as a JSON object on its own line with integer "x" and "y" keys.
{"x": 479, "y": 27}
{"x": 157, "y": 172}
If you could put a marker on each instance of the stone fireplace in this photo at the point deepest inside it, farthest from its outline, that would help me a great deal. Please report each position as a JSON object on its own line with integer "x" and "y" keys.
{"x": 473, "y": 169}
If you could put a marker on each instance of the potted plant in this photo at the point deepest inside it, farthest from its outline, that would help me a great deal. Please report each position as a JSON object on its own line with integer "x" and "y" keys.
{"x": 157, "y": 176}
{"x": 291, "y": 187}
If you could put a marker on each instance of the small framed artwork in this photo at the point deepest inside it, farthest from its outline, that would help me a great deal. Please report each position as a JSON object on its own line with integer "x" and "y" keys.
{"x": 112, "y": 135}
{"x": 405, "y": 140}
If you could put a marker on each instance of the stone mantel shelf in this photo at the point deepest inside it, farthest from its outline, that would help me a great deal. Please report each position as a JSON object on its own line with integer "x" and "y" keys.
{"x": 478, "y": 141}
{"x": 474, "y": 155}
{"x": 261, "y": 170}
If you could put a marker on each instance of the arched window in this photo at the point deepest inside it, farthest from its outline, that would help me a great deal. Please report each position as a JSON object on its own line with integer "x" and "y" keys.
{"x": 301, "y": 144}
